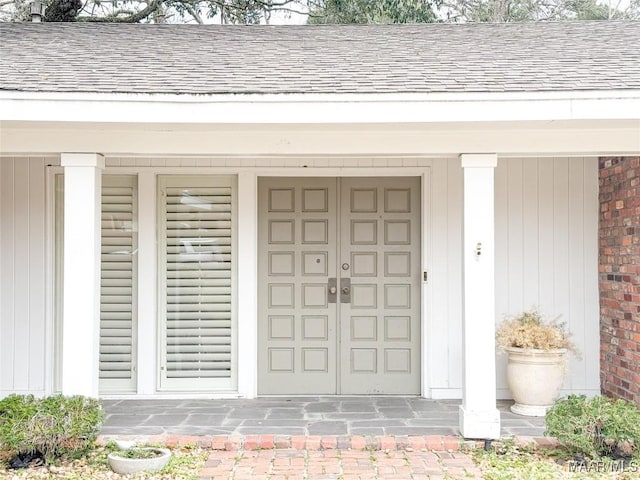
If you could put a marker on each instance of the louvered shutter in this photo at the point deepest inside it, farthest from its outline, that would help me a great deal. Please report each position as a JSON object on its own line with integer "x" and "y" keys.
{"x": 118, "y": 285}
{"x": 196, "y": 243}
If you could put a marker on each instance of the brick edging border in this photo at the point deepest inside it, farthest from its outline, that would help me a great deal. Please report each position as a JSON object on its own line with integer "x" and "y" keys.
{"x": 328, "y": 442}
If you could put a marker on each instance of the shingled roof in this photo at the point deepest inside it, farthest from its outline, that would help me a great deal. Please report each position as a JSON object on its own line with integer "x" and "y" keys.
{"x": 424, "y": 58}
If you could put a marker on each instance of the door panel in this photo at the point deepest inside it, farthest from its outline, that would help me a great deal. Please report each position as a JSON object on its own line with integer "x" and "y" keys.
{"x": 339, "y": 293}
{"x": 380, "y": 254}
{"x": 297, "y": 323}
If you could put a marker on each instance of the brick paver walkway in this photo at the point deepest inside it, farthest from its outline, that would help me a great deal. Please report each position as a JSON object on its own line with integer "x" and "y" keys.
{"x": 291, "y": 464}
{"x": 317, "y": 437}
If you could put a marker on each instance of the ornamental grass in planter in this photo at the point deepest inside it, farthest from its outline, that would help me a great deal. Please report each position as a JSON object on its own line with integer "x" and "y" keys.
{"x": 139, "y": 459}
{"x": 538, "y": 356}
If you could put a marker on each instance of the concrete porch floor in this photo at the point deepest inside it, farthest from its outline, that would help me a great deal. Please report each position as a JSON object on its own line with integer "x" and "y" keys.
{"x": 313, "y": 415}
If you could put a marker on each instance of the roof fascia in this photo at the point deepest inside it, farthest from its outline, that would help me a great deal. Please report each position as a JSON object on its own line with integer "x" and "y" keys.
{"x": 319, "y": 108}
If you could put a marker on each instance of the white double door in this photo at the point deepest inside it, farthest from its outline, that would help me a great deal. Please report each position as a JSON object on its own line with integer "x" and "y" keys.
{"x": 339, "y": 286}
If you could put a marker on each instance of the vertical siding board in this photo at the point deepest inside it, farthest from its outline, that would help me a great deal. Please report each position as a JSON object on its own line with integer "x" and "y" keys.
{"x": 454, "y": 270}
{"x": 575, "y": 321}
{"x": 530, "y": 235}
{"x": 7, "y": 347}
{"x": 561, "y": 237}
{"x": 515, "y": 231}
{"x": 561, "y": 261}
{"x": 546, "y": 287}
{"x": 502, "y": 237}
{"x": 439, "y": 369}
{"x": 21, "y": 275}
{"x": 37, "y": 265}
{"x": 590, "y": 262}
{"x": 502, "y": 260}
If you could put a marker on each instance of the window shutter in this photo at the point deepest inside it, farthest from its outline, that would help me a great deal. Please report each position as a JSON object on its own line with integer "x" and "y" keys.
{"x": 196, "y": 236}
{"x": 118, "y": 284}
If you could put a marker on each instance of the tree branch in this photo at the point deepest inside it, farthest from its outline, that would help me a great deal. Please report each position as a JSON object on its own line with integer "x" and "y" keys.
{"x": 134, "y": 18}
{"x": 194, "y": 13}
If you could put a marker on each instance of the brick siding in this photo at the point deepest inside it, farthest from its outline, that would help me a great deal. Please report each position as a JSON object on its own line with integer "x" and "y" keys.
{"x": 619, "y": 271}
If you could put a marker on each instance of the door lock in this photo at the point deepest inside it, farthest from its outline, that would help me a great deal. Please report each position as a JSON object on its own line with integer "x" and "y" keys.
{"x": 345, "y": 290}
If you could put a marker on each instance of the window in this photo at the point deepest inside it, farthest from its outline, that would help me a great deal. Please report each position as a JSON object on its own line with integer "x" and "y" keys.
{"x": 196, "y": 271}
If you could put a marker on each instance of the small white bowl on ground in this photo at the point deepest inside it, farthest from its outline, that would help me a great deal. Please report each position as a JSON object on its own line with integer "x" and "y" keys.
{"x": 123, "y": 465}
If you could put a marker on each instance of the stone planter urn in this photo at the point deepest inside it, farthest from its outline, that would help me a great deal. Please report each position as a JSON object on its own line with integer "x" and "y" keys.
{"x": 535, "y": 378}
{"x": 124, "y": 465}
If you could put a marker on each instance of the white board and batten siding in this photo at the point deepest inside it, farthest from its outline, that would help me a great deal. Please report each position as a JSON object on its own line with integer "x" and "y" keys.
{"x": 546, "y": 255}
{"x": 23, "y": 329}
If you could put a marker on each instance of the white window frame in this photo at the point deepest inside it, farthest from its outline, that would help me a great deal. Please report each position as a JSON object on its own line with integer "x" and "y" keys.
{"x": 209, "y": 385}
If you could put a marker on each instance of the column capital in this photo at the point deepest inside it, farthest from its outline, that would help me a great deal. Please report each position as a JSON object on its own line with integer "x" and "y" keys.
{"x": 478, "y": 160}
{"x": 82, "y": 160}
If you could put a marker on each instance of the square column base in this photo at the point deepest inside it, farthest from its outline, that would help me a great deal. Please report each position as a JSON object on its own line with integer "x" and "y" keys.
{"x": 480, "y": 424}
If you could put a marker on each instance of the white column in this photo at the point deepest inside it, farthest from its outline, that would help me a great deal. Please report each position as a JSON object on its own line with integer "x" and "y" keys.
{"x": 247, "y": 215}
{"x": 147, "y": 373}
{"x": 81, "y": 302}
{"x": 479, "y": 417}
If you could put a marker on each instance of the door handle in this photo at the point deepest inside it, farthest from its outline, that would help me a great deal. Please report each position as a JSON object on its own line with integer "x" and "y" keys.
{"x": 332, "y": 290}
{"x": 346, "y": 291}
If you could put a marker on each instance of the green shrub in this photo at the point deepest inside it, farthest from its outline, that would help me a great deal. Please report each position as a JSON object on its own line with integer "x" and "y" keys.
{"x": 55, "y": 426}
{"x": 15, "y": 412}
{"x": 596, "y": 427}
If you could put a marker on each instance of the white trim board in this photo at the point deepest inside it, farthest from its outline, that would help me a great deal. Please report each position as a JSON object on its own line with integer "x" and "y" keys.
{"x": 319, "y": 108}
{"x": 245, "y": 145}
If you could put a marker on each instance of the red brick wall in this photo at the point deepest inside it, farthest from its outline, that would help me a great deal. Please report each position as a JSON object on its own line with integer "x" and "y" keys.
{"x": 620, "y": 277}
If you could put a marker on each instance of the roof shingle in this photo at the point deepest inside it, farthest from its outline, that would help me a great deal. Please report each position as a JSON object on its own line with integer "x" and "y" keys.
{"x": 418, "y": 58}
